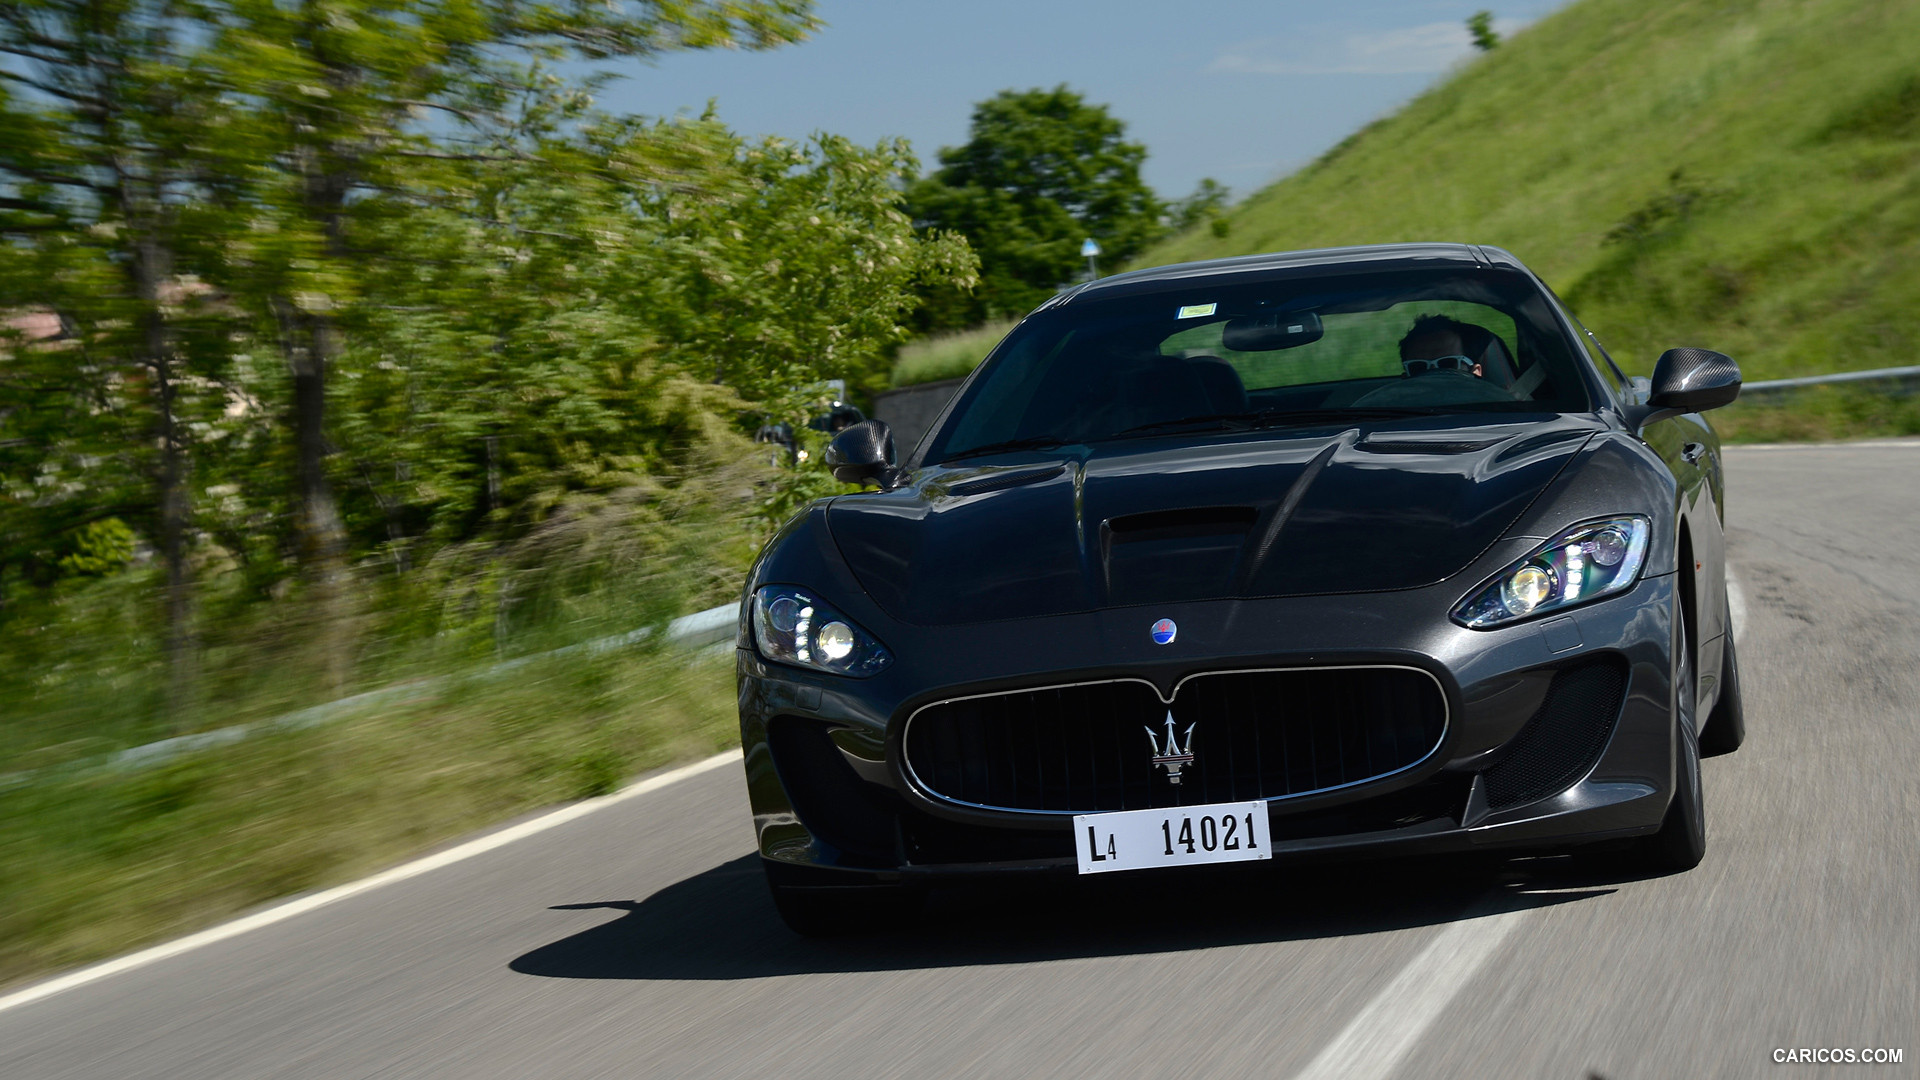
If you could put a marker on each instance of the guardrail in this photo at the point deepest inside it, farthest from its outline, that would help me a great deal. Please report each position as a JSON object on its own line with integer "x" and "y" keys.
{"x": 701, "y": 629}
{"x": 1906, "y": 379}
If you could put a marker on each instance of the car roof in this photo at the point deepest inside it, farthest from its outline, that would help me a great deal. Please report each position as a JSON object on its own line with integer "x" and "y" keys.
{"x": 1284, "y": 264}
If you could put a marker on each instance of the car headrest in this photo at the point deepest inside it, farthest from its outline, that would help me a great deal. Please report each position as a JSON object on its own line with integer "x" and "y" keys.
{"x": 1485, "y": 346}
{"x": 1162, "y": 384}
{"x": 1225, "y": 392}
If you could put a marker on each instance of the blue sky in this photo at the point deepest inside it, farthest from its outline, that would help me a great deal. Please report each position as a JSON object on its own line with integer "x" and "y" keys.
{"x": 1243, "y": 91}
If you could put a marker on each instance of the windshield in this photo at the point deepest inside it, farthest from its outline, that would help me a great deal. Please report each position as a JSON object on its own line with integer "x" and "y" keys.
{"x": 1247, "y": 355}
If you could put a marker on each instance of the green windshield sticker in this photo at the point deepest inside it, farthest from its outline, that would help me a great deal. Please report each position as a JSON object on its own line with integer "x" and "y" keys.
{"x": 1195, "y": 311}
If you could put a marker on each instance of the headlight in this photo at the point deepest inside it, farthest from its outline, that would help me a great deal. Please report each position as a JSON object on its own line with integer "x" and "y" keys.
{"x": 792, "y": 626}
{"x": 1584, "y": 563}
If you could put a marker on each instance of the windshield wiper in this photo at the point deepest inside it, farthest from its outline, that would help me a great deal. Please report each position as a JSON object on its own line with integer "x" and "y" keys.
{"x": 1036, "y": 442}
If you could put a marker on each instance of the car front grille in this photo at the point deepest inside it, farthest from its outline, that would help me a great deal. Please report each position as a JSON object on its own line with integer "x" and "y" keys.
{"x": 1090, "y": 747}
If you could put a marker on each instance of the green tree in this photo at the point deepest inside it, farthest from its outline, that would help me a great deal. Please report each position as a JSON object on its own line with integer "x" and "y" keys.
{"x": 332, "y": 281}
{"x": 1207, "y": 205}
{"x": 1480, "y": 25}
{"x": 577, "y": 324}
{"x": 339, "y": 90}
{"x": 1041, "y": 171}
{"x": 104, "y": 121}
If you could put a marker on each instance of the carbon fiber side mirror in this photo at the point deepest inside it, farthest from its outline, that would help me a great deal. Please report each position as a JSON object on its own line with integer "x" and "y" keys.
{"x": 863, "y": 454}
{"x": 1694, "y": 380}
{"x": 1684, "y": 381}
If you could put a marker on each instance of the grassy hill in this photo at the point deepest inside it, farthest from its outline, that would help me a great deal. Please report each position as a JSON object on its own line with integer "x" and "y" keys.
{"x": 1738, "y": 174}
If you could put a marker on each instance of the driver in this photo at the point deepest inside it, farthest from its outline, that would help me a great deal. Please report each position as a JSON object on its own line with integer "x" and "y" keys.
{"x": 1438, "y": 343}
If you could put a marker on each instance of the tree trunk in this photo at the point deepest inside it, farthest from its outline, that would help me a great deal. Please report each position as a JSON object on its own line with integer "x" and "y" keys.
{"x": 150, "y": 268}
{"x": 308, "y": 341}
{"x": 326, "y": 160}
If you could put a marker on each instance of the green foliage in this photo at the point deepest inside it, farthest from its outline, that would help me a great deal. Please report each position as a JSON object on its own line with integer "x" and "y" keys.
{"x": 192, "y": 188}
{"x": 789, "y": 263}
{"x": 585, "y": 328}
{"x": 1041, "y": 171}
{"x": 1480, "y": 25}
{"x": 1790, "y": 239}
{"x": 544, "y": 331}
{"x": 1205, "y": 206}
{"x": 99, "y": 548}
{"x": 947, "y": 356}
{"x": 517, "y": 316}
{"x": 78, "y": 666}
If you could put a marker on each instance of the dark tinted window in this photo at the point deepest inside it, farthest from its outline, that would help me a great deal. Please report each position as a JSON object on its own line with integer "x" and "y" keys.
{"x": 1201, "y": 355}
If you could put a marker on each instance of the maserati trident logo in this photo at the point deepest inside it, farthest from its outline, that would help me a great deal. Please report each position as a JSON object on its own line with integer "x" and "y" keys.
{"x": 1163, "y": 632}
{"x": 1173, "y": 757}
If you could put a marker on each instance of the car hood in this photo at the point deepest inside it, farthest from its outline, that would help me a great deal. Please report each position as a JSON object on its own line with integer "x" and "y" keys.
{"x": 1166, "y": 520}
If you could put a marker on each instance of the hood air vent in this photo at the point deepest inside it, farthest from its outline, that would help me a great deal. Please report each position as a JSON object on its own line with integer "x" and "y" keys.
{"x": 1171, "y": 555}
{"x": 1411, "y": 446}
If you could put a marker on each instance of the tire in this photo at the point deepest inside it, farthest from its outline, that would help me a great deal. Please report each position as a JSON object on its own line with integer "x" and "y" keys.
{"x": 842, "y": 912}
{"x": 1682, "y": 840}
{"x": 1727, "y": 726}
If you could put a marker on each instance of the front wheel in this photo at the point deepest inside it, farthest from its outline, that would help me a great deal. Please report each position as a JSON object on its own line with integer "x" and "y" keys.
{"x": 1682, "y": 840}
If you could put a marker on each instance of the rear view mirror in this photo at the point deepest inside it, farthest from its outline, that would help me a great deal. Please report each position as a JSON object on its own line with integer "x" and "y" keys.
{"x": 1265, "y": 333}
{"x": 1689, "y": 380}
{"x": 862, "y": 454}
{"x": 1694, "y": 380}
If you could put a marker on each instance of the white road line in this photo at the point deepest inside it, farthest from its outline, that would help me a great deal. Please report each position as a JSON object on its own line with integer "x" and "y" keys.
{"x": 1379, "y": 1038}
{"x": 305, "y": 904}
{"x": 1736, "y": 605}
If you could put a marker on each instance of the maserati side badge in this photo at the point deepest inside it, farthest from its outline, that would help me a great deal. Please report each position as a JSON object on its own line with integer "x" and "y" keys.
{"x": 1173, "y": 757}
{"x": 1163, "y": 632}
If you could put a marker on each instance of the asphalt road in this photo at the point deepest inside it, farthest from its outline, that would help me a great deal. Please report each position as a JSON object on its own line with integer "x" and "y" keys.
{"x": 637, "y": 940}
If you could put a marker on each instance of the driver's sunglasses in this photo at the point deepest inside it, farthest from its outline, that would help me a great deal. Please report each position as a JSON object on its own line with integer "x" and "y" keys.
{"x": 1438, "y": 363}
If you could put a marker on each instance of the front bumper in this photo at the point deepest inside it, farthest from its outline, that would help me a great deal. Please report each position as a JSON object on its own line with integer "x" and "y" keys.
{"x": 833, "y": 805}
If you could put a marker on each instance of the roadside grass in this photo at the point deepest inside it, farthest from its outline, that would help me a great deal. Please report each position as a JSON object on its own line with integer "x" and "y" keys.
{"x": 947, "y": 356}
{"x": 94, "y": 864}
{"x": 1742, "y": 176}
{"x": 82, "y": 673}
{"x": 1820, "y": 414}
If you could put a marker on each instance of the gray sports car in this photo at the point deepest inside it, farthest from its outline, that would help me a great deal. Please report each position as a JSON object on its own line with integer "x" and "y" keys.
{"x": 1358, "y": 550}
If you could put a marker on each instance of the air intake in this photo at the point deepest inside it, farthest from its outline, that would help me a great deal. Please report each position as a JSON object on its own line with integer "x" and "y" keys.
{"x": 1564, "y": 738}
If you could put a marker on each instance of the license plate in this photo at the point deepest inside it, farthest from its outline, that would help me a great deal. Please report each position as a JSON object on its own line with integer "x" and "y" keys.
{"x": 1181, "y": 836}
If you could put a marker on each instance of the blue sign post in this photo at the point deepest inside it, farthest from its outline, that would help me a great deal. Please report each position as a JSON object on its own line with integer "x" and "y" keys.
{"x": 1090, "y": 250}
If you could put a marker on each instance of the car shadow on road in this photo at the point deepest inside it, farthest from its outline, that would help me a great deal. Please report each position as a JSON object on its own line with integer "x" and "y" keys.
{"x": 721, "y": 925}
